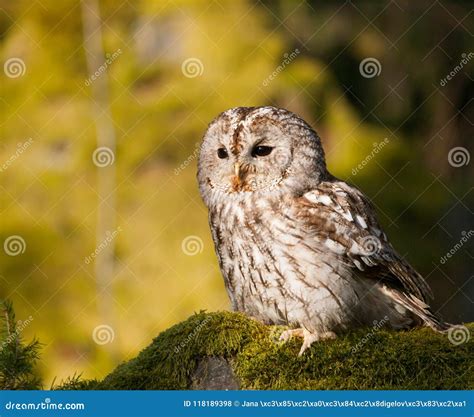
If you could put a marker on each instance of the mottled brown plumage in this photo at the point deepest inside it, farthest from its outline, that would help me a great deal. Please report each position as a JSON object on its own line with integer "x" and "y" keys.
{"x": 297, "y": 246}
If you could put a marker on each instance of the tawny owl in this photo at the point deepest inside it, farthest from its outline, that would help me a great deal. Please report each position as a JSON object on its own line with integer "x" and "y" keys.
{"x": 297, "y": 246}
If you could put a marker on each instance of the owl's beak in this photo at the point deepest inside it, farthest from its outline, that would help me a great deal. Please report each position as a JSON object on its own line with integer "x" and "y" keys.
{"x": 237, "y": 169}
{"x": 239, "y": 179}
{"x": 239, "y": 176}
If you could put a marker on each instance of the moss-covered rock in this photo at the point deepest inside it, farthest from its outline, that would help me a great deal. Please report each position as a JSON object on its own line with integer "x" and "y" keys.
{"x": 363, "y": 359}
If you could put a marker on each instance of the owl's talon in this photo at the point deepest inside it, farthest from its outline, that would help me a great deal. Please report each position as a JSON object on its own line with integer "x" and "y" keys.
{"x": 288, "y": 334}
{"x": 309, "y": 338}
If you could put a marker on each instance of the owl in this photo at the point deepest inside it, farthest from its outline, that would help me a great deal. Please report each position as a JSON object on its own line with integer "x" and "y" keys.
{"x": 297, "y": 246}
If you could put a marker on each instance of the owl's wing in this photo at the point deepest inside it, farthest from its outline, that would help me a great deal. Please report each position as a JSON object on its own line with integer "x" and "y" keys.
{"x": 345, "y": 222}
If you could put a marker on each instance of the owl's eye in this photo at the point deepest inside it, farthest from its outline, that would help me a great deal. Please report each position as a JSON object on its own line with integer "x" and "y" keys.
{"x": 222, "y": 153}
{"x": 261, "y": 151}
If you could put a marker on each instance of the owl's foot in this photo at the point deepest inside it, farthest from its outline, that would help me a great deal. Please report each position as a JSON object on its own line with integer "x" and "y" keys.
{"x": 288, "y": 334}
{"x": 308, "y": 337}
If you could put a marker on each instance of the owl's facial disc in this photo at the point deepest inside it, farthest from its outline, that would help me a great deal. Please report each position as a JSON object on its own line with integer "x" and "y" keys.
{"x": 258, "y": 150}
{"x": 252, "y": 164}
{"x": 242, "y": 152}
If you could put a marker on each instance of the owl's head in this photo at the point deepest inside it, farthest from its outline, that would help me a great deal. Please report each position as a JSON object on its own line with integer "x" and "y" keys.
{"x": 259, "y": 150}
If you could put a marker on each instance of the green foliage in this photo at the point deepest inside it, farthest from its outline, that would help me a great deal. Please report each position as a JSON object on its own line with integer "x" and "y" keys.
{"x": 418, "y": 359}
{"x": 172, "y": 357}
{"x": 17, "y": 360}
{"x": 75, "y": 382}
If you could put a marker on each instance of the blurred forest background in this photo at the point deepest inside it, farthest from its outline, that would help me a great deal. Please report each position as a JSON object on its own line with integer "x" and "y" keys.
{"x": 103, "y": 255}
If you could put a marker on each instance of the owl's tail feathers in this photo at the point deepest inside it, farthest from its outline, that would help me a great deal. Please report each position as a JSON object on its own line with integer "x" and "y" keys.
{"x": 419, "y": 308}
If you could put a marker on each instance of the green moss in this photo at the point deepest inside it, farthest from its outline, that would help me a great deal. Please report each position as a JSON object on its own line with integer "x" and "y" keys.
{"x": 418, "y": 359}
{"x": 170, "y": 360}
